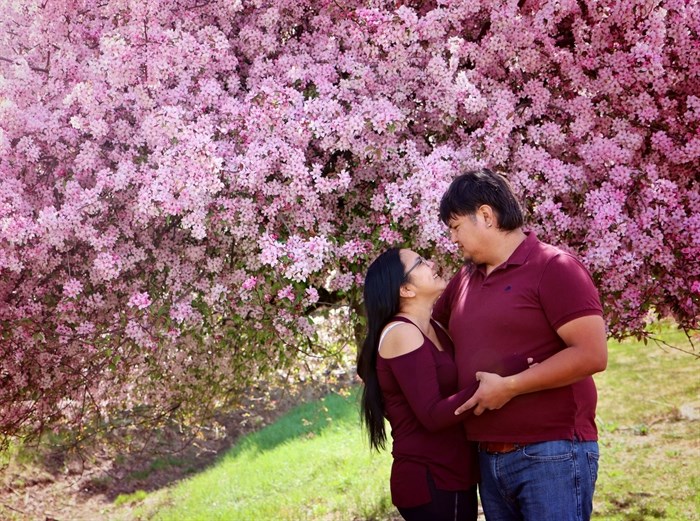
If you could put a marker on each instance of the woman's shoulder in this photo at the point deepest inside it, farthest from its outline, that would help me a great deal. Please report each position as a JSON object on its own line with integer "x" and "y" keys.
{"x": 400, "y": 338}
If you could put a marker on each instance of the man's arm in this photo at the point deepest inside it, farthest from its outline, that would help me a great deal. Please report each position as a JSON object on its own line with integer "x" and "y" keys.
{"x": 586, "y": 353}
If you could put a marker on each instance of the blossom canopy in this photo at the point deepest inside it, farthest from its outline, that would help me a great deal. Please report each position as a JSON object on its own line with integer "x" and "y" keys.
{"x": 183, "y": 184}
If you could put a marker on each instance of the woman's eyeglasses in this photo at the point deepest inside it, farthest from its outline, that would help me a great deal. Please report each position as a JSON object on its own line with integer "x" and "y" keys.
{"x": 420, "y": 260}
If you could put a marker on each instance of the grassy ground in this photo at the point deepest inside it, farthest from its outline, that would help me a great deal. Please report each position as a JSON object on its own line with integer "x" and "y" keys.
{"x": 650, "y": 448}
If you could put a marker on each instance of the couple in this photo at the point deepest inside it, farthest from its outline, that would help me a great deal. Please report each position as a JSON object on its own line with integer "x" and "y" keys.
{"x": 486, "y": 378}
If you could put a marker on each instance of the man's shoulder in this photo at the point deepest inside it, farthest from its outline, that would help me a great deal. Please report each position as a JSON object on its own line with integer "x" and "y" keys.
{"x": 549, "y": 260}
{"x": 545, "y": 251}
{"x": 563, "y": 267}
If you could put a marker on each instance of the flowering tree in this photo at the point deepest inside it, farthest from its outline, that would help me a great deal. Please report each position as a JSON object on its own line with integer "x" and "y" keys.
{"x": 184, "y": 184}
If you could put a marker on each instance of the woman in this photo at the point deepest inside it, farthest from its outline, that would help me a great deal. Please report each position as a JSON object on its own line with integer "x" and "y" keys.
{"x": 406, "y": 364}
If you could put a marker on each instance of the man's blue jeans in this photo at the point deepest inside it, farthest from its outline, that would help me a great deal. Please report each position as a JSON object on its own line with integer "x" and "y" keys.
{"x": 548, "y": 481}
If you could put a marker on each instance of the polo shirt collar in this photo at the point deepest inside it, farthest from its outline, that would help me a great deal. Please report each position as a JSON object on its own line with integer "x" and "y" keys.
{"x": 519, "y": 256}
{"x": 522, "y": 252}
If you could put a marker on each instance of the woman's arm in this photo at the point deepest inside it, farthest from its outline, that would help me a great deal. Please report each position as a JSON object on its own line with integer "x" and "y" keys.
{"x": 413, "y": 366}
{"x": 416, "y": 374}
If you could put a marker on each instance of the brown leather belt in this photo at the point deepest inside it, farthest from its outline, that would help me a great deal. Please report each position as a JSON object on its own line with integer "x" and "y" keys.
{"x": 499, "y": 447}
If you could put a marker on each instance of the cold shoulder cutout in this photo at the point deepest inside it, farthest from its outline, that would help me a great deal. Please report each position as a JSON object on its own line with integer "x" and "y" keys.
{"x": 400, "y": 341}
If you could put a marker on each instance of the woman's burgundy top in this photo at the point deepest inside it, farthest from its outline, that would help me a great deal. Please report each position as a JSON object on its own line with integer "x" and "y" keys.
{"x": 420, "y": 396}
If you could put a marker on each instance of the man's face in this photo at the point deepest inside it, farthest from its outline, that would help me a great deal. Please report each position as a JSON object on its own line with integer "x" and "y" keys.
{"x": 466, "y": 232}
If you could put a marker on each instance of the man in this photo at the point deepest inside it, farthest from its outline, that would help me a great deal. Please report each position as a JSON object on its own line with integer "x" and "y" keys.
{"x": 518, "y": 298}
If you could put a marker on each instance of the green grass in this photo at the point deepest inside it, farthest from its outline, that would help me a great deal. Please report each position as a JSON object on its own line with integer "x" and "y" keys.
{"x": 135, "y": 497}
{"x": 314, "y": 464}
{"x": 650, "y": 454}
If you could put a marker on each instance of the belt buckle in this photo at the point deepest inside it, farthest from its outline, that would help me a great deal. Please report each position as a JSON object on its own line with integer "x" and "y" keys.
{"x": 500, "y": 447}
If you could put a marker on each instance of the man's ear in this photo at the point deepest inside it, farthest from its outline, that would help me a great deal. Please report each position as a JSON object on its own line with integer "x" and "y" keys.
{"x": 488, "y": 215}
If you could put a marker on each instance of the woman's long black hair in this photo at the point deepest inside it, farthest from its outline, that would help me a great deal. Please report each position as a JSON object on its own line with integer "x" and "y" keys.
{"x": 381, "y": 294}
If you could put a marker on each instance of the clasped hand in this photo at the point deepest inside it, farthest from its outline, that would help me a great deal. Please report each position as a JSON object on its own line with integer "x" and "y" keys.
{"x": 494, "y": 392}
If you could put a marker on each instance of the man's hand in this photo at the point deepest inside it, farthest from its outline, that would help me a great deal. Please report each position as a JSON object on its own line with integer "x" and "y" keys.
{"x": 493, "y": 393}
{"x": 483, "y": 401}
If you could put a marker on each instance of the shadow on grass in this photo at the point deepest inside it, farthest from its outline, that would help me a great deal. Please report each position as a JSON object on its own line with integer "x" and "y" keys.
{"x": 306, "y": 420}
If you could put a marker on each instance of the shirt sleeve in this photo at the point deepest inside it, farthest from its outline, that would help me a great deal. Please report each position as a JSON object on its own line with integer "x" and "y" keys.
{"x": 567, "y": 291}
{"x": 416, "y": 374}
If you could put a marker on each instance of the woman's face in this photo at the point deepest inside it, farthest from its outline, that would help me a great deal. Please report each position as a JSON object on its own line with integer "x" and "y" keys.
{"x": 420, "y": 273}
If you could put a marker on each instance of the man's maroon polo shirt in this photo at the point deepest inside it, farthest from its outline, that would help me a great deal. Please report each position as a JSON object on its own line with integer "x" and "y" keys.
{"x": 498, "y": 320}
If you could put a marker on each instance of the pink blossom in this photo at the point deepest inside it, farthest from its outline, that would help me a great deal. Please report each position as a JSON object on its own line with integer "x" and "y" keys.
{"x": 311, "y": 296}
{"x": 249, "y": 283}
{"x": 286, "y": 293}
{"x": 139, "y": 300}
{"x": 72, "y": 288}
